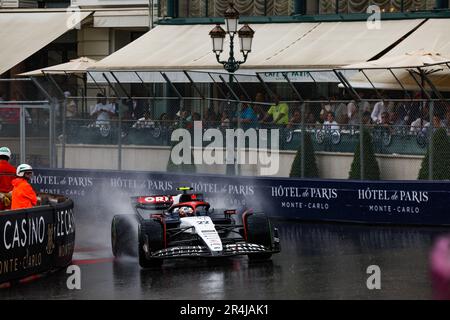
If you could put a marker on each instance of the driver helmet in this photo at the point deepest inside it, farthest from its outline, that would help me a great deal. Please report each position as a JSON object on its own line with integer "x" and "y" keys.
{"x": 186, "y": 211}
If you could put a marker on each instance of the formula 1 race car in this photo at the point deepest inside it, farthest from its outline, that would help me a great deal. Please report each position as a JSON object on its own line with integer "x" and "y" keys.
{"x": 185, "y": 226}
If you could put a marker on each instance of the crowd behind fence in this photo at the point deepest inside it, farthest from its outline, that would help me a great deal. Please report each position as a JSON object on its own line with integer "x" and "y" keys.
{"x": 398, "y": 123}
{"x": 396, "y": 126}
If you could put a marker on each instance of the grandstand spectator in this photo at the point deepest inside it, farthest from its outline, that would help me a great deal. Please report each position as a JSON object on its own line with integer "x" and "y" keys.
{"x": 248, "y": 116}
{"x": 296, "y": 119}
{"x": 279, "y": 112}
{"x": 418, "y": 124}
{"x": 258, "y": 107}
{"x": 164, "y": 120}
{"x": 330, "y": 123}
{"x": 378, "y": 109}
{"x": 225, "y": 120}
{"x": 366, "y": 118}
{"x": 325, "y": 108}
{"x": 340, "y": 112}
{"x": 310, "y": 120}
{"x": 102, "y": 111}
{"x": 353, "y": 115}
{"x": 364, "y": 104}
{"x": 136, "y": 108}
{"x": 145, "y": 122}
{"x": 437, "y": 123}
{"x": 71, "y": 106}
{"x": 385, "y": 119}
{"x": 210, "y": 118}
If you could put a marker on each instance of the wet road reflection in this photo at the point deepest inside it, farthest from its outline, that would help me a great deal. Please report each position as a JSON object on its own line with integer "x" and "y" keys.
{"x": 318, "y": 261}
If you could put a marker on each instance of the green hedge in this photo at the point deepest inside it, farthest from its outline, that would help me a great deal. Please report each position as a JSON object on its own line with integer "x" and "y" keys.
{"x": 441, "y": 157}
{"x": 371, "y": 168}
{"x": 311, "y": 170}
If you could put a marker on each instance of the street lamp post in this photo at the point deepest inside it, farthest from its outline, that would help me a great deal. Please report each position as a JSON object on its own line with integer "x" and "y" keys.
{"x": 231, "y": 65}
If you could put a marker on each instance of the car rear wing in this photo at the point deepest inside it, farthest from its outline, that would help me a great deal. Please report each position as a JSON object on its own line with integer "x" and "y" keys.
{"x": 164, "y": 201}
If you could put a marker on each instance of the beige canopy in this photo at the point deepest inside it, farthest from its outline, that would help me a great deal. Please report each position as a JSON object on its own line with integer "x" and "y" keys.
{"x": 79, "y": 65}
{"x": 25, "y": 32}
{"x": 275, "y": 46}
{"x": 409, "y": 69}
{"x": 417, "y": 58}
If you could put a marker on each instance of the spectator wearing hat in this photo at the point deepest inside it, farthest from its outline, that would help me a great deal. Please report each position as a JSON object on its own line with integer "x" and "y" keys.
{"x": 23, "y": 195}
{"x": 7, "y": 175}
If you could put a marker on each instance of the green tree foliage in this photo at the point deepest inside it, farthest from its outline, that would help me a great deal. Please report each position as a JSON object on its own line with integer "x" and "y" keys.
{"x": 371, "y": 168}
{"x": 311, "y": 170}
{"x": 441, "y": 157}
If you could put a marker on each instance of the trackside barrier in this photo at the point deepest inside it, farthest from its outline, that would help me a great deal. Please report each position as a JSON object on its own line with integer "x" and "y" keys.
{"x": 36, "y": 240}
{"x": 101, "y": 193}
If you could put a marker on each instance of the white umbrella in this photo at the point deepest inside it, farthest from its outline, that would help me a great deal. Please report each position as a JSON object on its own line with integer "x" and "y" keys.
{"x": 79, "y": 65}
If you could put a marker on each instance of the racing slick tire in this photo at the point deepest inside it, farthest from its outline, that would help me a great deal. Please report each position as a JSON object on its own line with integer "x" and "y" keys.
{"x": 259, "y": 231}
{"x": 123, "y": 236}
{"x": 151, "y": 233}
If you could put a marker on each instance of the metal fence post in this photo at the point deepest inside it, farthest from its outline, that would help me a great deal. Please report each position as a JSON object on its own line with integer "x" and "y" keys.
{"x": 63, "y": 142}
{"x": 53, "y": 157}
{"x": 22, "y": 135}
{"x": 430, "y": 139}
{"x": 361, "y": 141}
{"x": 302, "y": 145}
{"x": 120, "y": 142}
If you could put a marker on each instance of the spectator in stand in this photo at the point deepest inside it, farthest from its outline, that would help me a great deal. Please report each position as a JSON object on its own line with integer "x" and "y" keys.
{"x": 330, "y": 123}
{"x": 341, "y": 113}
{"x": 7, "y": 175}
{"x": 378, "y": 109}
{"x": 364, "y": 104}
{"x": 145, "y": 122}
{"x": 296, "y": 120}
{"x": 396, "y": 119}
{"x": 225, "y": 120}
{"x": 258, "y": 107}
{"x": 353, "y": 114}
{"x": 196, "y": 116}
{"x": 136, "y": 108}
{"x": 210, "y": 118}
{"x": 437, "y": 123}
{"x": 164, "y": 120}
{"x": 115, "y": 106}
{"x": 446, "y": 121}
{"x": 366, "y": 118}
{"x": 385, "y": 119}
{"x": 102, "y": 111}
{"x": 71, "y": 106}
{"x": 248, "y": 116}
{"x": 279, "y": 112}
{"x": 310, "y": 120}
{"x": 420, "y": 123}
{"x": 23, "y": 195}
{"x": 230, "y": 108}
{"x": 325, "y": 108}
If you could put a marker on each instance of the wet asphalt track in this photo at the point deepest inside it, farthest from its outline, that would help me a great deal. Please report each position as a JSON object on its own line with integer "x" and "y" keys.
{"x": 318, "y": 261}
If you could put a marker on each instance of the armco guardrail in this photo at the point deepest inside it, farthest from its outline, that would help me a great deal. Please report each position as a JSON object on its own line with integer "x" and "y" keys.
{"x": 36, "y": 240}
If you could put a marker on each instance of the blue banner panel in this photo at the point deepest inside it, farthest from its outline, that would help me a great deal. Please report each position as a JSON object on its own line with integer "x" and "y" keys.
{"x": 391, "y": 202}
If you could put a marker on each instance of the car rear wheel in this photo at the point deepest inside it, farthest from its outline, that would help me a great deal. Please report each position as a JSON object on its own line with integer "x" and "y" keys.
{"x": 259, "y": 231}
{"x": 151, "y": 235}
{"x": 123, "y": 236}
